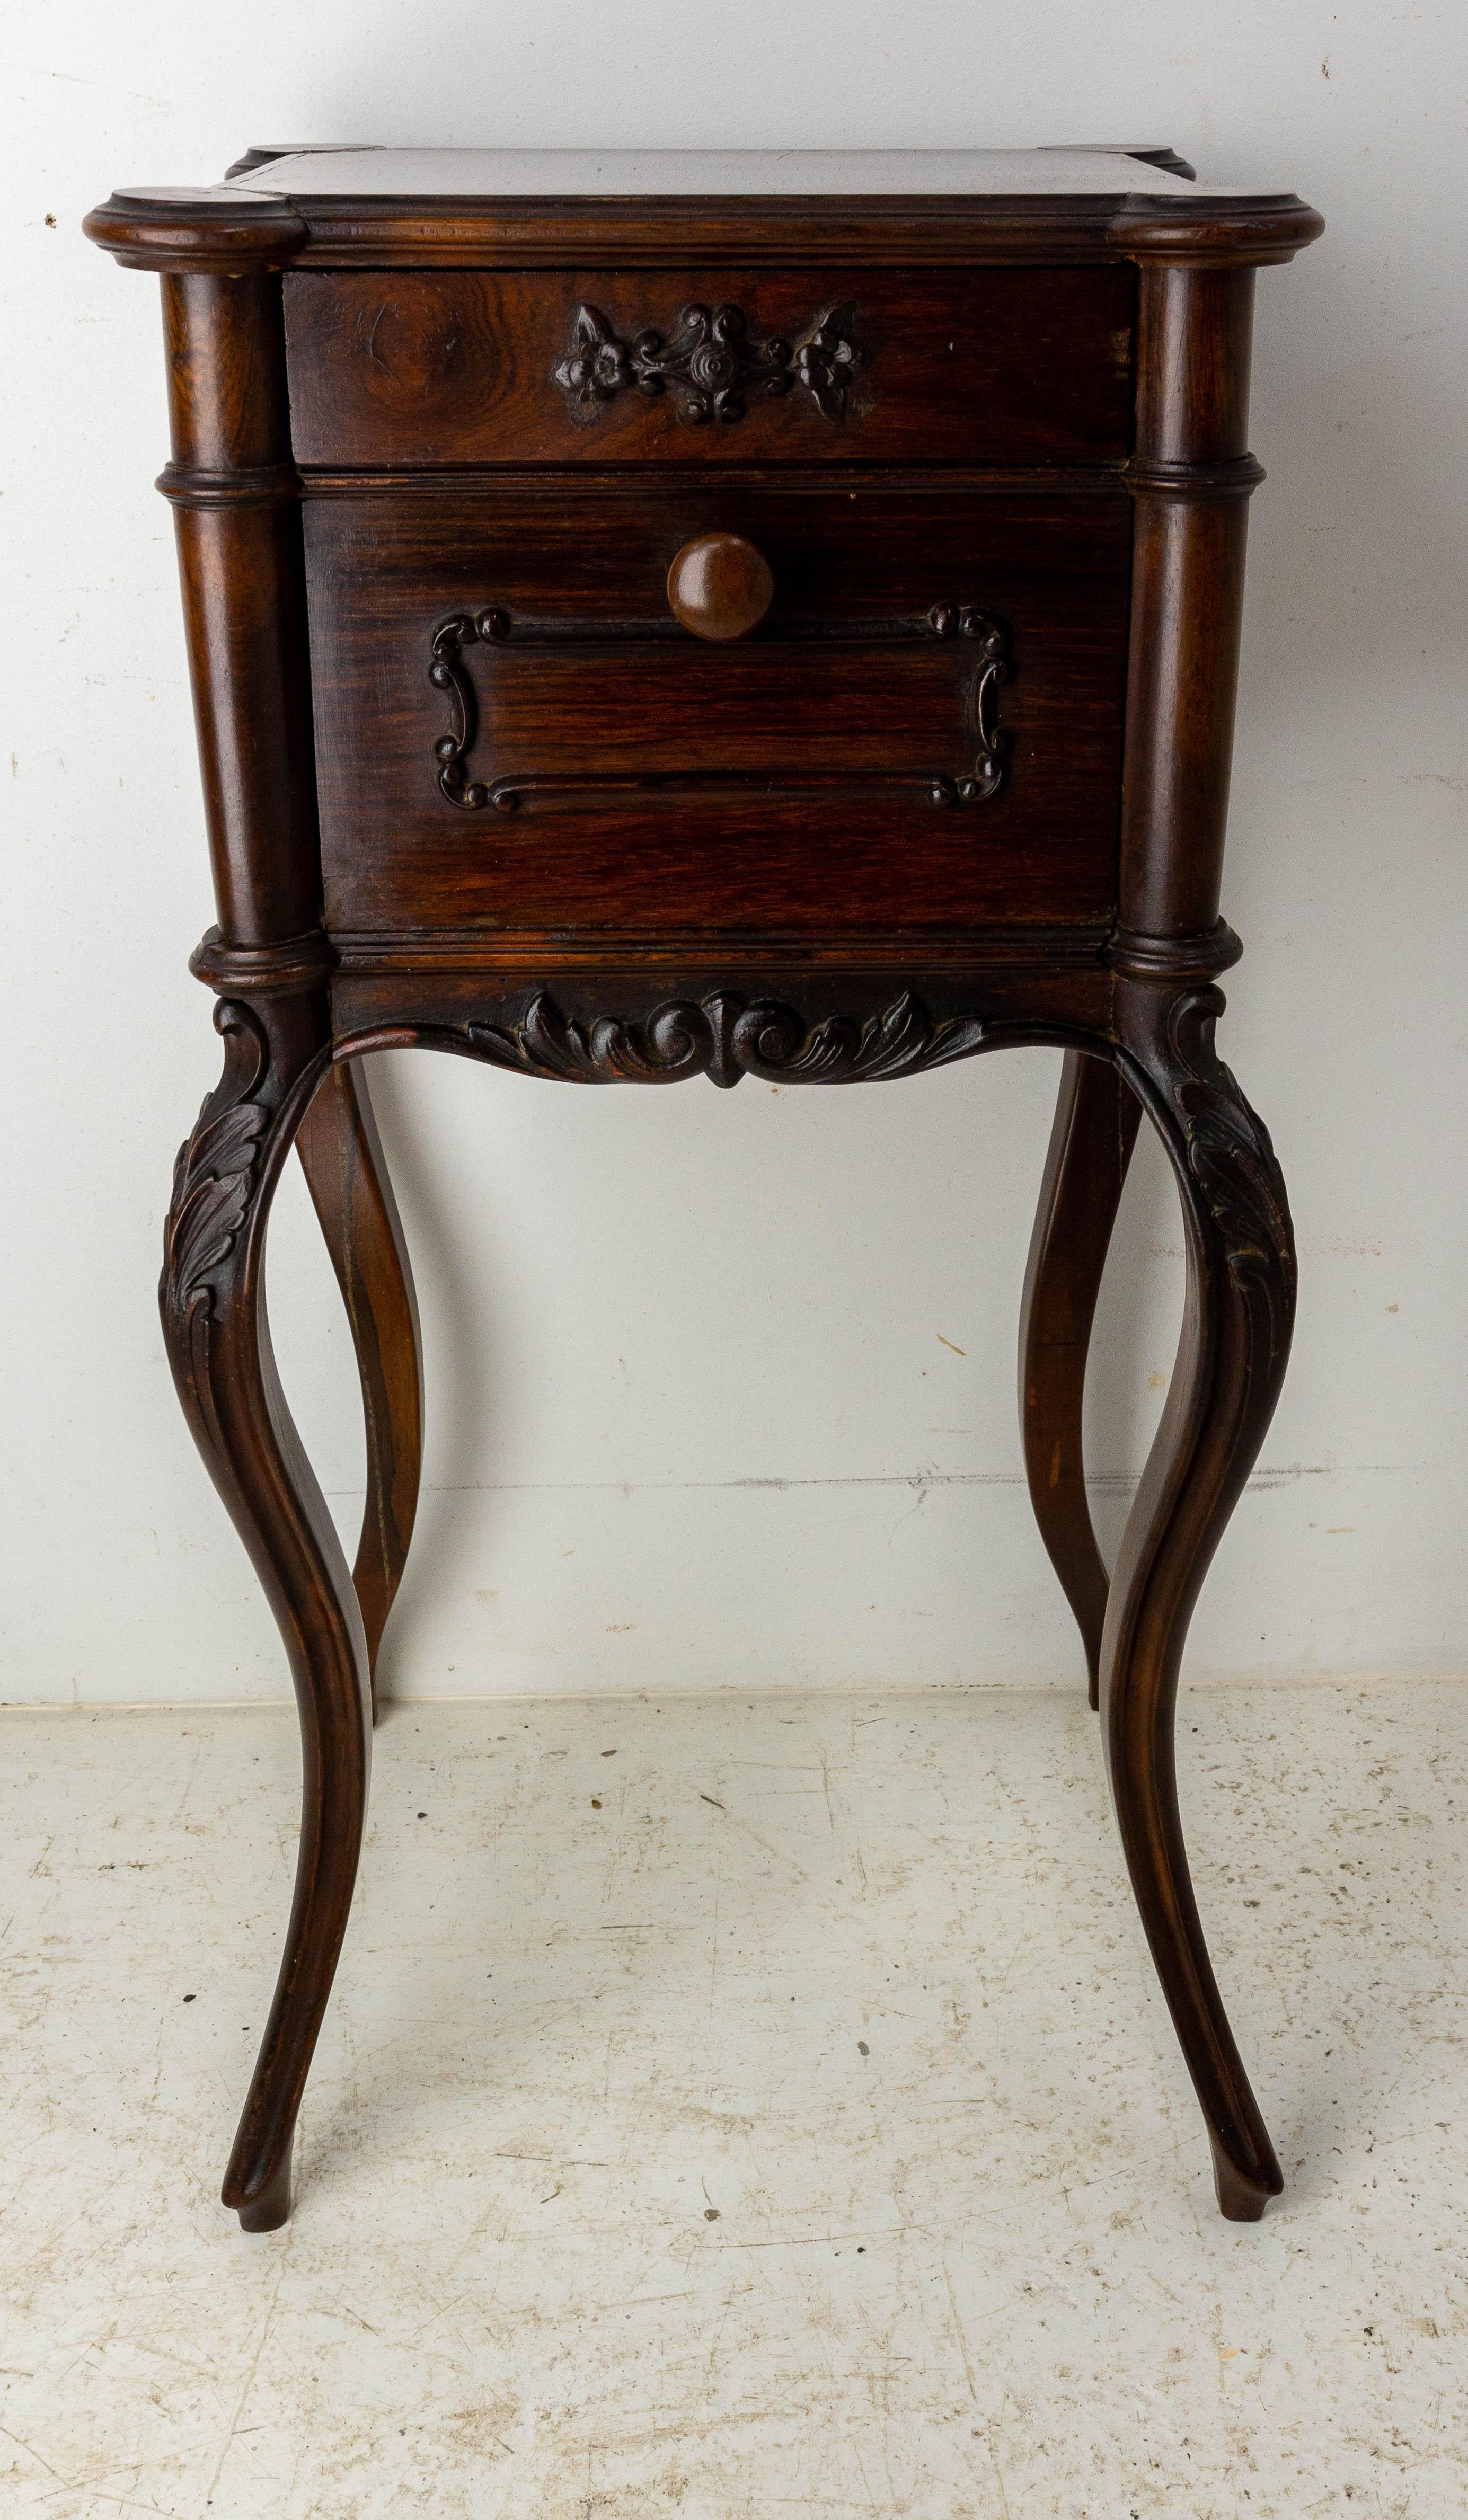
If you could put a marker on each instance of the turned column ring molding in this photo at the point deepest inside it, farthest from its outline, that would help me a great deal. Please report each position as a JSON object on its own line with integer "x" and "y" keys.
{"x": 282, "y": 969}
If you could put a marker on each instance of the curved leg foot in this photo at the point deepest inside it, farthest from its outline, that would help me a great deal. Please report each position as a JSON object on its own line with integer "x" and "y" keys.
{"x": 270, "y": 2206}
{"x": 1230, "y": 1364}
{"x": 343, "y": 1160}
{"x": 218, "y": 1344}
{"x": 1241, "y": 2199}
{"x": 1096, "y": 1120}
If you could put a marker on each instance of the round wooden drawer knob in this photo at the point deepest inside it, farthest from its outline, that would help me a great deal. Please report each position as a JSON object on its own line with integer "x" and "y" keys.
{"x": 719, "y": 586}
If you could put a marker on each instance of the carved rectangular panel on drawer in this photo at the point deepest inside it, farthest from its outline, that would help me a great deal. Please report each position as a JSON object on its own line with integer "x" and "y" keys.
{"x": 798, "y": 766}
{"x": 986, "y": 366}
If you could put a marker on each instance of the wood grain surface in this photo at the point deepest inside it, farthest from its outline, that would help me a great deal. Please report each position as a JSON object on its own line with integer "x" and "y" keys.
{"x": 459, "y": 367}
{"x": 765, "y": 856}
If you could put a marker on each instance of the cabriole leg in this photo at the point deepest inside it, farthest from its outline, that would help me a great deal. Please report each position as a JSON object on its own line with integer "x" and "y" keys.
{"x": 1230, "y": 1364}
{"x": 1096, "y": 1119}
{"x": 212, "y": 1302}
{"x": 341, "y": 1158}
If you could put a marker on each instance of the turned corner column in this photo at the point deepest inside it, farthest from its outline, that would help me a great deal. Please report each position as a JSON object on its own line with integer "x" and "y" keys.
{"x": 1190, "y": 476}
{"x": 235, "y": 495}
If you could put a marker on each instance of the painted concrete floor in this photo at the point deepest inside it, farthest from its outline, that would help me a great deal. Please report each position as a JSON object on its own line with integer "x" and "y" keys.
{"x": 738, "y": 2107}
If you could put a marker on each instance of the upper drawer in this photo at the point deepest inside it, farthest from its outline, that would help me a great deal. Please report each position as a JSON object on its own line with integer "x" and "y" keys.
{"x": 989, "y": 365}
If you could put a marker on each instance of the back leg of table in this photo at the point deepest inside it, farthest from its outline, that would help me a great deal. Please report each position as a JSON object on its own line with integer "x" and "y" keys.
{"x": 342, "y": 1157}
{"x": 1096, "y": 1120}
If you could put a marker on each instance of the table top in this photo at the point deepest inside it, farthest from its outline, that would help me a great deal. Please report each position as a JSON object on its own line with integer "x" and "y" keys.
{"x": 730, "y": 174}
{"x": 334, "y": 206}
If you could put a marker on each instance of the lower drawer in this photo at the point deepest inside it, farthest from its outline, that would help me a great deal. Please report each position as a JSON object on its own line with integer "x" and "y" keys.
{"x": 515, "y": 736}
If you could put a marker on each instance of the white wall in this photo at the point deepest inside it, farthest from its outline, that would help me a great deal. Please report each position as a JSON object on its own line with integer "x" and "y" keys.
{"x": 693, "y": 1420}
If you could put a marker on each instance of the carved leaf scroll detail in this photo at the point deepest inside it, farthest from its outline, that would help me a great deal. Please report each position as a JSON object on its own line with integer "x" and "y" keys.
{"x": 1231, "y": 1158}
{"x": 215, "y": 1176}
{"x": 726, "y": 1038}
{"x": 713, "y": 361}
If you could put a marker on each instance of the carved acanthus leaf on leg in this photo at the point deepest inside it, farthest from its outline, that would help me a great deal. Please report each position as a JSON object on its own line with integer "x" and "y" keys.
{"x": 214, "y": 1174}
{"x": 1231, "y": 1157}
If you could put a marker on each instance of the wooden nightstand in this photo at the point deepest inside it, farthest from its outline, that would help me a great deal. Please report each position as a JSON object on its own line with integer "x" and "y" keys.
{"x": 670, "y": 616}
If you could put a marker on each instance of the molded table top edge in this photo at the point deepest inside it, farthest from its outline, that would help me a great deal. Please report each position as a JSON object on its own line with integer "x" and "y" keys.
{"x": 343, "y": 205}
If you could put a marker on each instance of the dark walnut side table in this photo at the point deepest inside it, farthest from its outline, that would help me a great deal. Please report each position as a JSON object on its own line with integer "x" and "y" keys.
{"x": 670, "y": 616}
